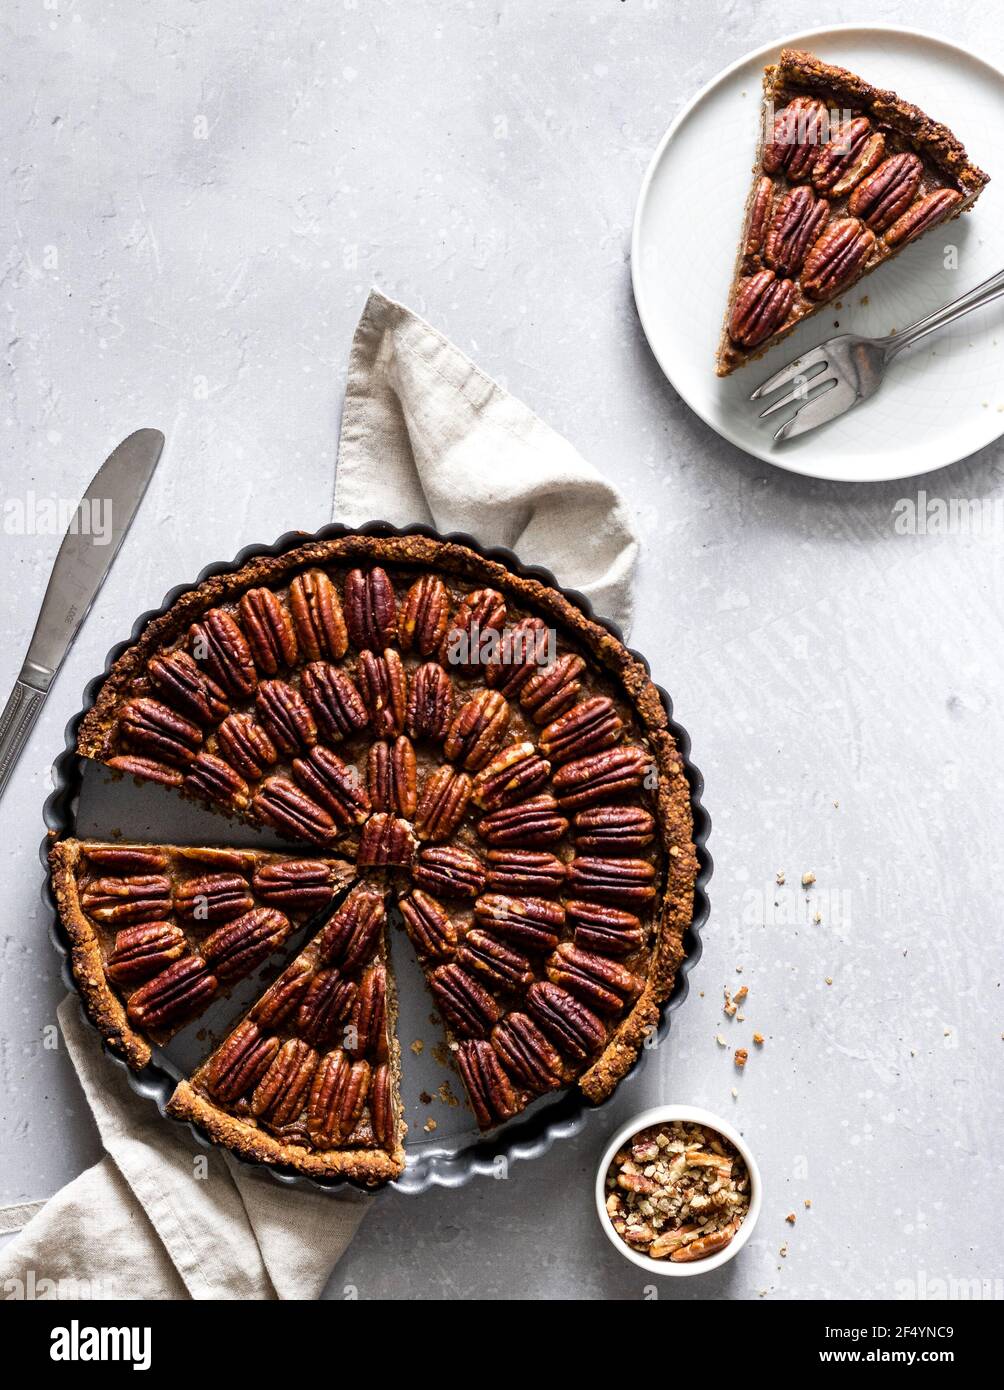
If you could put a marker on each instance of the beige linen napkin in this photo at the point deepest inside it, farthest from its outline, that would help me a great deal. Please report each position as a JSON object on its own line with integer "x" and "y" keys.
{"x": 426, "y": 437}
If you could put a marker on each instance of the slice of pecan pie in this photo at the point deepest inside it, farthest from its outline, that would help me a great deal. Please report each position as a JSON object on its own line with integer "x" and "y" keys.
{"x": 846, "y": 176}
{"x": 159, "y": 931}
{"x": 480, "y": 749}
{"x": 310, "y": 1077}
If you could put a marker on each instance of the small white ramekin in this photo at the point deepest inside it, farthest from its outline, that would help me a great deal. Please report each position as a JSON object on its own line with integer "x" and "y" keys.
{"x": 690, "y": 1114}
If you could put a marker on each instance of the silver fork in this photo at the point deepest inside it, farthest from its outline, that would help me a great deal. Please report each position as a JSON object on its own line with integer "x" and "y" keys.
{"x": 844, "y": 370}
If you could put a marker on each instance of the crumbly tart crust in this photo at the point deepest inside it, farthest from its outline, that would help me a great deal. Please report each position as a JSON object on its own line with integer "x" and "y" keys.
{"x": 112, "y": 897}
{"x": 550, "y": 945}
{"x": 904, "y": 128}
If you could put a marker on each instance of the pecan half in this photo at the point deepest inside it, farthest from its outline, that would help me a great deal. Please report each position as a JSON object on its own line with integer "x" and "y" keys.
{"x": 317, "y": 617}
{"x": 185, "y": 987}
{"x": 328, "y": 1001}
{"x": 333, "y": 784}
{"x": 589, "y": 727}
{"x": 386, "y": 841}
{"x": 760, "y": 206}
{"x": 612, "y": 880}
{"x": 573, "y": 1028}
{"x": 514, "y": 774}
{"x": 239, "y": 947}
{"x": 268, "y": 629}
{"x": 370, "y": 609}
{"x": 605, "y": 985}
{"x": 214, "y": 780}
{"x": 503, "y": 965}
{"x": 188, "y": 689}
{"x": 526, "y": 1054}
{"x": 391, "y": 776}
{"x": 218, "y": 644}
{"x": 798, "y": 133}
{"x": 445, "y": 794}
{"x": 474, "y": 633}
{"x": 142, "y": 951}
{"x": 488, "y": 1088}
{"x": 429, "y": 924}
{"x": 303, "y": 886}
{"x": 367, "y": 1031}
{"x": 924, "y": 213}
{"x": 337, "y": 1096}
{"x": 797, "y": 222}
{"x": 280, "y": 1095}
{"x": 602, "y": 776}
{"x": 148, "y": 769}
{"x": 126, "y": 859}
{"x": 837, "y": 257}
{"x": 529, "y": 824}
{"x": 155, "y": 728}
{"x": 466, "y": 1005}
{"x": 430, "y": 702}
{"x": 132, "y": 898}
{"x": 888, "y": 191}
{"x": 282, "y": 804}
{"x": 349, "y": 939}
{"x": 246, "y": 746}
{"x": 761, "y": 306}
{"x": 382, "y": 1117}
{"x": 334, "y": 701}
{"x": 613, "y": 830}
{"x": 213, "y": 898}
{"x": 447, "y": 869}
{"x": 524, "y": 871}
{"x": 478, "y": 730}
{"x": 239, "y": 1063}
{"x": 421, "y": 623}
{"x": 284, "y": 716}
{"x": 554, "y": 690}
{"x": 530, "y": 922}
{"x": 853, "y": 152}
{"x": 383, "y": 686}
{"x": 284, "y": 995}
{"x": 524, "y": 649}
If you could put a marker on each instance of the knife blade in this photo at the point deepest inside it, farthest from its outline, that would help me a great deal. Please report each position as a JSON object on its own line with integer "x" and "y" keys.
{"x": 85, "y": 556}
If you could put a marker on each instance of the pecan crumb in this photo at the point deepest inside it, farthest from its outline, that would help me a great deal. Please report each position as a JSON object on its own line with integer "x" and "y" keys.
{"x": 779, "y": 878}
{"x": 790, "y": 1218}
{"x": 430, "y": 1125}
{"x": 758, "y": 1039}
{"x": 720, "y": 1040}
{"x": 807, "y": 1203}
{"x": 741, "y": 1057}
{"x": 418, "y": 1046}
{"x": 740, "y": 994}
{"x": 808, "y": 879}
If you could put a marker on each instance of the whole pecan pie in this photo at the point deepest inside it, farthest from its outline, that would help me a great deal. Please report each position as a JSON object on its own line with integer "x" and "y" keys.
{"x": 846, "y": 176}
{"x": 442, "y": 739}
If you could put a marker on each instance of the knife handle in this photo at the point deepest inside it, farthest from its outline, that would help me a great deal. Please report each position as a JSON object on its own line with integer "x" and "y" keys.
{"x": 16, "y": 723}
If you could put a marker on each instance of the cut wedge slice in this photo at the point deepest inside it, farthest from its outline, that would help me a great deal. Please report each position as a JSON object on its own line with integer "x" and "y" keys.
{"x": 159, "y": 932}
{"x": 309, "y": 1079}
{"x": 846, "y": 176}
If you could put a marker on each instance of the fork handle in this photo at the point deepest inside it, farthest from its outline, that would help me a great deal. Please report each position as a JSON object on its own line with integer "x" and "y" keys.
{"x": 975, "y": 298}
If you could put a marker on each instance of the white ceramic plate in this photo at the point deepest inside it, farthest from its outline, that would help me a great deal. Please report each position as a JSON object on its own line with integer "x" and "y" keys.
{"x": 942, "y": 399}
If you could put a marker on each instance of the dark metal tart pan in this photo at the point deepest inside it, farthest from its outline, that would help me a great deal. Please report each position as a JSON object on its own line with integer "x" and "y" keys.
{"x": 429, "y": 1163}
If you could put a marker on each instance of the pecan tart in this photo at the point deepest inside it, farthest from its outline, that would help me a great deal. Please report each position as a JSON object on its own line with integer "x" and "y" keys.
{"x": 846, "y": 176}
{"x": 499, "y": 771}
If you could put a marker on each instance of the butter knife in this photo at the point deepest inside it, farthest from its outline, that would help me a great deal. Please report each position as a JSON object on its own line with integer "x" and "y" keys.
{"x": 84, "y": 558}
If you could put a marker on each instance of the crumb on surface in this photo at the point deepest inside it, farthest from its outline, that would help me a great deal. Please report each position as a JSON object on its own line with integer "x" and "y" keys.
{"x": 779, "y": 878}
{"x": 808, "y": 879}
{"x": 790, "y": 1218}
{"x": 741, "y": 1057}
{"x": 430, "y": 1125}
{"x": 418, "y": 1046}
{"x": 758, "y": 1039}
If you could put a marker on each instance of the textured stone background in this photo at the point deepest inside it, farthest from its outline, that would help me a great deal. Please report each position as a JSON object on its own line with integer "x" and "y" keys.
{"x": 841, "y": 682}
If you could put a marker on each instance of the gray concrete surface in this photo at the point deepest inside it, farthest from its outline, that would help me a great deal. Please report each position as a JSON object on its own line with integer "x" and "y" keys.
{"x": 196, "y": 200}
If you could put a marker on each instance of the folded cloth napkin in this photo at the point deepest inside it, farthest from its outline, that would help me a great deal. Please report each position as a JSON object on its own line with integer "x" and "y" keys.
{"x": 425, "y": 436}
